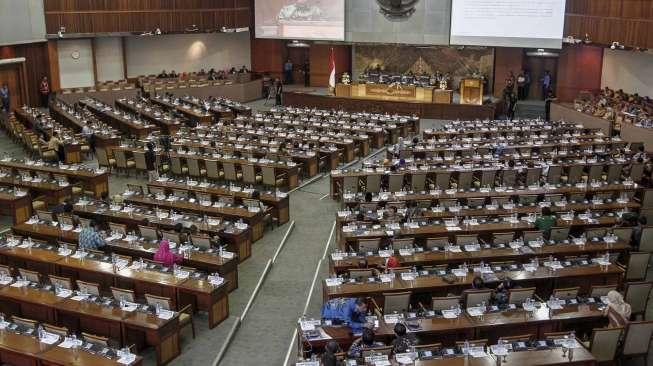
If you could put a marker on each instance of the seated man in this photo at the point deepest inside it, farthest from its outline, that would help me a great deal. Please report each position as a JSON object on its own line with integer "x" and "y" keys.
{"x": 545, "y": 222}
{"x": 349, "y": 310}
{"x": 403, "y": 342}
{"x": 89, "y": 238}
{"x": 365, "y": 342}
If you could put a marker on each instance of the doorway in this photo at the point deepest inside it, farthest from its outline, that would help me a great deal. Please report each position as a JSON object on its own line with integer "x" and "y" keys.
{"x": 299, "y": 56}
{"x": 537, "y": 65}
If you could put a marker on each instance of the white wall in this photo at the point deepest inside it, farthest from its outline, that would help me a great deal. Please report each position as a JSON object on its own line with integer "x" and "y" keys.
{"x": 75, "y": 73}
{"x": 186, "y": 52}
{"x": 627, "y": 70}
{"x": 108, "y": 58}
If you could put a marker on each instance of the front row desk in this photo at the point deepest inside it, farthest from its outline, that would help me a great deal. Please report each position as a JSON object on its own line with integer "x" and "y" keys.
{"x": 408, "y": 93}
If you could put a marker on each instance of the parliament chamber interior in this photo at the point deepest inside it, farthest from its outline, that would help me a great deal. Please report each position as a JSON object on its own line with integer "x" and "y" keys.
{"x": 326, "y": 182}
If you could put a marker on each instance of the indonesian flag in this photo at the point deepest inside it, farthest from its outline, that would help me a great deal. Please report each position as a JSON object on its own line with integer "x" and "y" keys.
{"x": 332, "y": 69}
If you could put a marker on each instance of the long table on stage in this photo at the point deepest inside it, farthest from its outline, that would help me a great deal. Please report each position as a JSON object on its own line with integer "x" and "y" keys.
{"x": 421, "y": 109}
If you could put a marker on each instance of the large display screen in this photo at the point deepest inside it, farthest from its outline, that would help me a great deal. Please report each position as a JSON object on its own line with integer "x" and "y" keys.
{"x": 508, "y": 23}
{"x": 300, "y": 19}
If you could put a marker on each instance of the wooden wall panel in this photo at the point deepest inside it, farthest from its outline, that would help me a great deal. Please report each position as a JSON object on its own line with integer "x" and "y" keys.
{"x": 99, "y": 16}
{"x": 506, "y": 59}
{"x": 10, "y": 75}
{"x": 37, "y": 65}
{"x": 268, "y": 56}
{"x": 579, "y": 69}
{"x": 629, "y": 22}
{"x": 319, "y": 62}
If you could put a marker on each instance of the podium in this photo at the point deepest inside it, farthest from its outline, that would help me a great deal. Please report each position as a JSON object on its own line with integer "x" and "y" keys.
{"x": 471, "y": 91}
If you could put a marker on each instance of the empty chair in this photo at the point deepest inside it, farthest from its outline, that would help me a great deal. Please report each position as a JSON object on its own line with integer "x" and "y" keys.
{"x": 212, "y": 171}
{"x": 28, "y": 275}
{"x": 418, "y": 182}
{"x": 249, "y": 174}
{"x": 271, "y": 178}
{"x": 402, "y": 243}
{"x": 349, "y": 184}
{"x": 433, "y": 348}
{"x": 553, "y": 198}
{"x": 509, "y": 177}
{"x": 359, "y": 273}
{"x": 156, "y": 190}
{"x": 488, "y": 178}
{"x": 436, "y": 243}
{"x": 599, "y": 291}
{"x": 88, "y": 287}
{"x": 465, "y": 179}
{"x": 595, "y": 172}
{"x": 503, "y": 238}
{"x": 637, "y": 295}
{"x": 442, "y": 180}
{"x": 118, "y": 228}
{"x": 103, "y": 158}
{"x": 181, "y": 193}
{"x": 194, "y": 169}
{"x": 473, "y": 343}
{"x": 595, "y": 233}
{"x": 444, "y": 303}
{"x": 554, "y": 174}
{"x": 566, "y": 293}
{"x": 396, "y": 302}
{"x": 533, "y": 176}
{"x": 476, "y": 297}
{"x": 123, "y": 294}
{"x": 60, "y": 331}
{"x": 476, "y": 202}
{"x": 466, "y": 239}
{"x": 95, "y": 339}
{"x": 230, "y": 171}
{"x": 368, "y": 206}
{"x": 637, "y": 339}
{"x": 518, "y": 296}
{"x": 138, "y": 189}
{"x": 171, "y": 237}
{"x": 5, "y": 270}
{"x": 121, "y": 160}
{"x": 574, "y": 174}
{"x": 201, "y": 242}
{"x": 529, "y": 236}
{"x": 45, "y": 215}
{"x": 185, "y": 314}
{"x": 636, "y": 172}
{"x": 637, "y": 266}
{"x": 527, "y": 199}
{"x": 395, "y": 182}
{"x": 368, "y": 245}
{"x": 559, "y": 233}
{"x": 373, "y": 183}
{"x": 23, "y": 322}
{"x": 614, "y": 173}
{"x": 604, "y": 343}
{"x": 626, "y": 233}
{"x": 148, "y": 233}
{"x": 61, "y": 282}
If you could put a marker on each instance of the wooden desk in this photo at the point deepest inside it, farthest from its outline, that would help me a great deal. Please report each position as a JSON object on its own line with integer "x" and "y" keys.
{"x": 192, "y": 112}
{"x": 495, "y": 254}
{"x": 63, "y": 357}
{"x": 544, "y": 279}
{"x": 116, "y": 119}
{"x": 45, "y": 306}
{"x": 236, "y": 240}
{"x": 491, "y": 325}
{"x": 549, "y": 357}
{"x": 103, "y": 139}
{"x": 280, "y": 204}
{"x": 20, "y": 350}
{"x": 168, "y": 125}
{"x": 197, "y": 292}
{"x": 53, "y": 192}
{"x": 93, "y": 181}
{"x": 18, "y": 207}
{"x": 253, "y": 219}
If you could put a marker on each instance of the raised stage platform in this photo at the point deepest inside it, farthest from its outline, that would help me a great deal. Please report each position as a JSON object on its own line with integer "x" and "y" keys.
{"x": 312, "y": 98}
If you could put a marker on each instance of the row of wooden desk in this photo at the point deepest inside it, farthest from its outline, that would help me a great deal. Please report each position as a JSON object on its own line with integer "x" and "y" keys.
{"x": 95, "y": 181}
{"x": 52, "y": 191}
{"x": 167, "y": 123}
{"x": 194, "y": 291}
{"x": 101, "y": 138}
{"x": 490, "y": 326}
{"x": 116, "y": 119}
{"x": 24, "y": 350}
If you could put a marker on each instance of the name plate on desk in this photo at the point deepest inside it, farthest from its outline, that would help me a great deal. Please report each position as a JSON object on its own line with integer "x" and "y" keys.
{"x": 383, "y": 90}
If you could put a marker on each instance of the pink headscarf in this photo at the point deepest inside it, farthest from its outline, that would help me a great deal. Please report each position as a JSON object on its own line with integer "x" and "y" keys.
{"x": 165, "y": 256}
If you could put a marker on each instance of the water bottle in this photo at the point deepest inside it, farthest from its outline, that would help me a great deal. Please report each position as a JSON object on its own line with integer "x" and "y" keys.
{"x": 466, "y": 348}
{"x": 40, "y": 333}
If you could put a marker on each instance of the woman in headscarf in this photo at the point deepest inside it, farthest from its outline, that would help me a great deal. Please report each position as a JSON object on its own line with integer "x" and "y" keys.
{"x": 165, "y": 256}
{"x": 618, "y": 311}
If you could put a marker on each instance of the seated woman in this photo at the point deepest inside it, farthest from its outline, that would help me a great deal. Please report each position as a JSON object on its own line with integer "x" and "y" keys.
{"x": 365, "y": 342}
{"x": 165, "y": 256}
{"x": 618, "y": 311}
